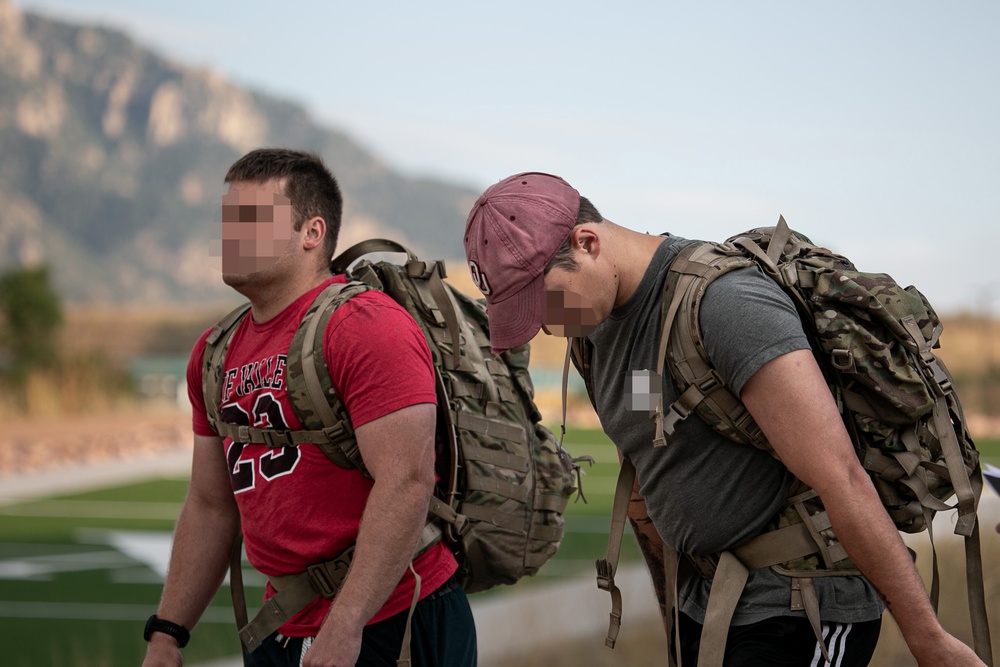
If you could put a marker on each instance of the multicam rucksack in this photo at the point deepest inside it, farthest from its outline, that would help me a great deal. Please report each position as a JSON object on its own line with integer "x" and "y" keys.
{"x": 504, "y": 478}
{"x": 874, "y": 341}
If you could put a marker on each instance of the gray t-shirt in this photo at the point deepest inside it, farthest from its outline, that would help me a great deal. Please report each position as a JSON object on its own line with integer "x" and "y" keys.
{"x": 704, "y": 492}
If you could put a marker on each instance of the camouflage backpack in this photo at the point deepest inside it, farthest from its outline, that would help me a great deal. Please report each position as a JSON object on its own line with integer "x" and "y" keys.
{"x": 504, "y": 478}
{"x": 874, "y": 342}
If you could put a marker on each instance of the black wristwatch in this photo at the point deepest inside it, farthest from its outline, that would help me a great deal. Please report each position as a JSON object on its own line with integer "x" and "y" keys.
{"x": 157, "y": 624}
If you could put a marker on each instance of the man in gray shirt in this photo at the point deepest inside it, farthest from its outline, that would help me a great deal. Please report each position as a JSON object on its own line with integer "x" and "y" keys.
{"x": 544, "y": 257}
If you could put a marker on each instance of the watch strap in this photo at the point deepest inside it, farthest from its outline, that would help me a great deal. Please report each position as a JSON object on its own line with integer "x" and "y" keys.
{"x": 156, "y": 624}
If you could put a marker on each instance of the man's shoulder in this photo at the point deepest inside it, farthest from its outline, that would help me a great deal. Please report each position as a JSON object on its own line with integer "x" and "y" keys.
{"x": 372, "y": 318}
{"x": 198, "y": 349}
{"x": 373, "y": 303}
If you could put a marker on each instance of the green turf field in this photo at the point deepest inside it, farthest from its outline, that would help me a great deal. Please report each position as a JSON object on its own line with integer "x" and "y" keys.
{"x": 74, "y": 594}
{"x": 76, "y": 587}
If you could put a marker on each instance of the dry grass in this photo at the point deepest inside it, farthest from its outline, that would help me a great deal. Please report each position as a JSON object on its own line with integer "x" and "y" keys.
{"x": 121, "y": 334}
{"x": 968, "y": 345}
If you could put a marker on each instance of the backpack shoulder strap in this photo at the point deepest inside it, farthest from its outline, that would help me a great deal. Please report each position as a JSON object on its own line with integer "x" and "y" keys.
{"x": 310, "y": 387}
{"x": 213, "y": 358}
{"x": 701, "y": 388}
{"x": 322, "y": 414}
{"x": 581, "y": 350}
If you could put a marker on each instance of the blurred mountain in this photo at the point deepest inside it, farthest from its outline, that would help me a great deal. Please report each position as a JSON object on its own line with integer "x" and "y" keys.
{"x": 112, "y": 159}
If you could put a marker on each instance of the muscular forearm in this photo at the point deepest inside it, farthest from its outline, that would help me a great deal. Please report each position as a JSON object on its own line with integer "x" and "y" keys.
{"x": 203, "y": 542}
{"x": 790, "y": 401}
{"x": 874, "y": 545}
{"x": 399, "y": 451}
{"x": 393, "y": 520}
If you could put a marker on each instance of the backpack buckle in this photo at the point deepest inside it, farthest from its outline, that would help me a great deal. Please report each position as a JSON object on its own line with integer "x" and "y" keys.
{"x": 842, "y": 360}
{"x": 709, "y": 382}
{"x": 320, "y": 582}
{"x": 275, "y": 439}
{"x": 605, "y": 577}
{"x": 326, "y": 578}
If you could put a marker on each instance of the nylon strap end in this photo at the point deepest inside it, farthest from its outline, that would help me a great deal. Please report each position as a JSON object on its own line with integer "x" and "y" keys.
{"x": 579, "y": 477}
{"x": 606, "y": 582}
{"x": 406, "y": 649}
{"x": 659, "y": 439}
{"x": 614, "y": 626}
{"x": 965, "y": 525}
{"x": 250, "y": 640}
{"x": 565, "y": 388}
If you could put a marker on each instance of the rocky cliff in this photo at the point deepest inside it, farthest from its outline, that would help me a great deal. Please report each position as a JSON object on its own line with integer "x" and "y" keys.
{"x": 112, "y": 158}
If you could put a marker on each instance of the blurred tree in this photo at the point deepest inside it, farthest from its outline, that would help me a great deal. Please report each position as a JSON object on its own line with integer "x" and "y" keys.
{"x": 30, "y": 317}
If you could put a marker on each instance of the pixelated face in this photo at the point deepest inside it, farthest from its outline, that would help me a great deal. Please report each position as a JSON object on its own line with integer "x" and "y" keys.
{"x": 642, "y": 391}
{"x": 569, "y": 310}
{"x": 256, "y": 227}
{"x": 568, "y": 314}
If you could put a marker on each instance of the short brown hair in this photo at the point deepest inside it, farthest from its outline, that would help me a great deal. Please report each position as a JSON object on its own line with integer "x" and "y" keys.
{"x": 563, "y": 258}
{"x": 310, "y": 186}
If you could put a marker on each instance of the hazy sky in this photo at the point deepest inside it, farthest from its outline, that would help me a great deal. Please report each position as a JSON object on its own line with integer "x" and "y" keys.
{"x": 872, "y": 126}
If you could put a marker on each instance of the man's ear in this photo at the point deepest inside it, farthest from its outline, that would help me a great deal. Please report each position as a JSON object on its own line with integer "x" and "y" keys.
{"x": 587, "y": 240}
{"x": 314, "y": 231}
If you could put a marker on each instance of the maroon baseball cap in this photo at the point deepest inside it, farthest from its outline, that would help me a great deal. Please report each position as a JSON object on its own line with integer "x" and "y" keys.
{"x": 513, "y": 230}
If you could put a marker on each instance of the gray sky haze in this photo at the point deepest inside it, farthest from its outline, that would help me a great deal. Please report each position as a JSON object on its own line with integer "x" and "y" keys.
{"x": 871, "y": 126}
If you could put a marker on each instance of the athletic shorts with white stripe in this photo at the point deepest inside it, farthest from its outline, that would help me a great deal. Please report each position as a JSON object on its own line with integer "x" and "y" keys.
{"x": 786, "y": 641}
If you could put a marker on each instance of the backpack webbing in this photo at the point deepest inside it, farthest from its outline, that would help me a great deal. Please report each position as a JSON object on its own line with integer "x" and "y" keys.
{"x": 504, "y": 479}
{"x": 929, "y": 457}
{"x": 326, "y": 426}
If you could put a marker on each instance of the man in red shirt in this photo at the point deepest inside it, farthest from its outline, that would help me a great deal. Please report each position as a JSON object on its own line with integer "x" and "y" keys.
{"x": 280, "y": 219}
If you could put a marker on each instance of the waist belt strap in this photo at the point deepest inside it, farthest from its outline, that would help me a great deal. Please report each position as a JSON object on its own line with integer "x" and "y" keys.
{"x": 730, "y": 577}
{"x": 295, "y": 591}
{"x": 772, "y": 548}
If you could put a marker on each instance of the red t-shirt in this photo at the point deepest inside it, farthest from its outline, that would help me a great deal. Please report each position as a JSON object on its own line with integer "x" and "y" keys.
{"x": 296, "y": 507}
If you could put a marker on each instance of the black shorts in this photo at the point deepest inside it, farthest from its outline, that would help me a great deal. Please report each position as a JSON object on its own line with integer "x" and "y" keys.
{"x": 444, "y": 633}
{"x": 786, "y": 641}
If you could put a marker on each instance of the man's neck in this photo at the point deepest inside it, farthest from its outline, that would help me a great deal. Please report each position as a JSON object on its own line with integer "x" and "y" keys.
{"x": 268, "y": 302}
{"x": 635, "y": 253}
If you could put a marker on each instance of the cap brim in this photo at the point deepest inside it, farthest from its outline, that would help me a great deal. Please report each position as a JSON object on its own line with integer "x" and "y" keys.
{"x": 516, "y": 320}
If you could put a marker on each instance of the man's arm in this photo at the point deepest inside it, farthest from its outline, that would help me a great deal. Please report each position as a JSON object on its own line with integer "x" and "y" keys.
{"x": 790, "y": 401}
{"x": 399, "y": 452}
{"x": 203, "y": 541}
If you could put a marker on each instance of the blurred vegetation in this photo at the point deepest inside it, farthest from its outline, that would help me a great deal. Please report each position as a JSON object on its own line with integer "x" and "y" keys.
{"x": 31, "y": 314}
{"x": 36, "y": 376}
